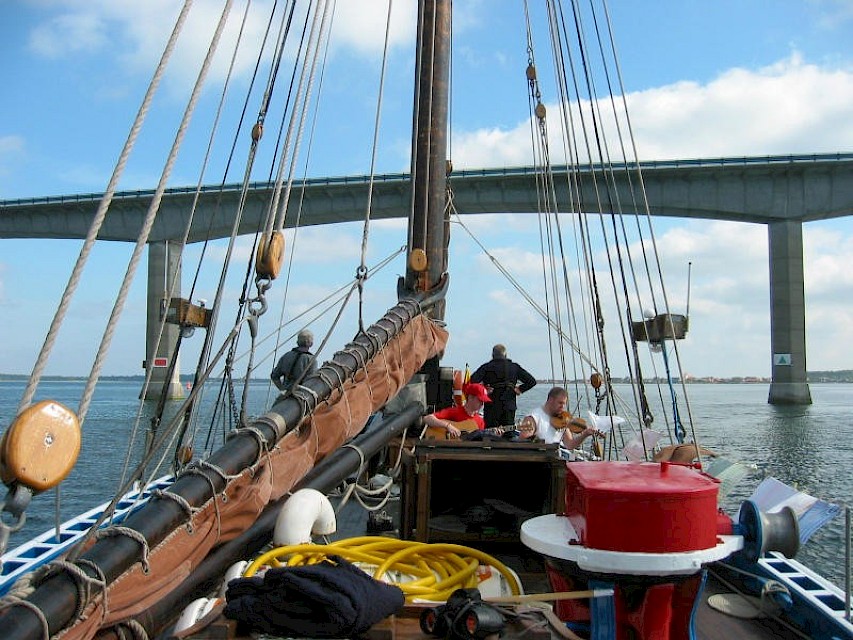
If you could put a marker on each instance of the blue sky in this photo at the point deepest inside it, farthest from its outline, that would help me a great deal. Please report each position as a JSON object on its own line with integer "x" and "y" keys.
{"x": 728, "y": 78}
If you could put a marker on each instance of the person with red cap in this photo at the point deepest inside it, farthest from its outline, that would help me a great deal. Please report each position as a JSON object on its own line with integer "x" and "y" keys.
{"x": 475, "y": 397}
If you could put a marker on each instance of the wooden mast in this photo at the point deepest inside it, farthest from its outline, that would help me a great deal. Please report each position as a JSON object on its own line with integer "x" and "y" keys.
{"x": 428, "y": 228}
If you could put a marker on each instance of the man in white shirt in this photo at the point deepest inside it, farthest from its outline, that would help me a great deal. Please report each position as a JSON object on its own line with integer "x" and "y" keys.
{"x": 553, "y": 422}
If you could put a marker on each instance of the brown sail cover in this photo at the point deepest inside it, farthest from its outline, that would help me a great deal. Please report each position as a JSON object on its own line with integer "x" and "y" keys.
{"x": 332, "y": 424}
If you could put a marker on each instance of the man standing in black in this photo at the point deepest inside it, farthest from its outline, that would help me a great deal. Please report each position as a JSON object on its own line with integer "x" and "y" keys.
{"x": 296, "y": 364}
{"x": 506, "y": 380}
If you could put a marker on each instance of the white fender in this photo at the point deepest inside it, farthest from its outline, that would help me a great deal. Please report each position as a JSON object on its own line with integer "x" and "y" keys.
{"x": 194, "y": 612}
{"x": 234, "y": 571}
{"x": 305, "y": 513}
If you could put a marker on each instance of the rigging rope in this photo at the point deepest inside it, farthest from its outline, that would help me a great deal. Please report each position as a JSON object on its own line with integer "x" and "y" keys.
{"x": 303, "y": 96}
{"x": 100, "y": 214}
{"x": 361, "y": 273}
{"x": 149, "y": 220}
{"x": 174, "y": 284}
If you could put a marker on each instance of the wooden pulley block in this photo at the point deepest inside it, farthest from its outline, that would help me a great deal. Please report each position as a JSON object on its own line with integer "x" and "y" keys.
{"x": 596, "y": 380}
{"x": 418, "y": 260}
{"x": 185, "y": 454}
{"x": 270, "y": 255}
{"x": 41, "y": 446}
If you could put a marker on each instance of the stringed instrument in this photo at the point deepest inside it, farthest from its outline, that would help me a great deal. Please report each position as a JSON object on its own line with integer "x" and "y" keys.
{"x": 469, "y": 426}
{"x": 565, "y": 420}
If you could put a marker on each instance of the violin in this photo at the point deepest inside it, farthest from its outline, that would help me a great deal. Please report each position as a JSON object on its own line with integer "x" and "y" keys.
{"x": 565, "y": 420}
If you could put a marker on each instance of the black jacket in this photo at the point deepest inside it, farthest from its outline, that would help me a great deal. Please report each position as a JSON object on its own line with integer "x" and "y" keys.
{"x": 503, "y": 375}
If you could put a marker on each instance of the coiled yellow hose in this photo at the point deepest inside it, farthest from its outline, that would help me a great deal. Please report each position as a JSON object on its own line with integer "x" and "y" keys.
{"x": 423, "y": 571}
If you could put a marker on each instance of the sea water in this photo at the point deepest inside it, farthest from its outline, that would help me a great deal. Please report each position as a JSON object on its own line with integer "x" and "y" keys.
{"x": 808, "y": 447}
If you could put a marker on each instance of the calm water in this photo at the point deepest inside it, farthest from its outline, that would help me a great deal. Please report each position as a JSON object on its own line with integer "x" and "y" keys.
{"x": 807, "y": 447}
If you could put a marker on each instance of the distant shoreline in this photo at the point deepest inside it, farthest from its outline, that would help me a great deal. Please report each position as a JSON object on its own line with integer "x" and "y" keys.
{"x": 844, "y": 376}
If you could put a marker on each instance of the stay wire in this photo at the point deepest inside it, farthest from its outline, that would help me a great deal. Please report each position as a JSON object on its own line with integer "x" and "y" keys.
{"x": 583, "y": 258}
{"x": 647, "y": 214}
{"x": 593, "y": 170}
{"x": 226, "y": 383}
{"x": 191, "y": 418}
{"x": 297, "y": 224}
{"x": 610, "y": 180}
{"x": 362, "y": 269}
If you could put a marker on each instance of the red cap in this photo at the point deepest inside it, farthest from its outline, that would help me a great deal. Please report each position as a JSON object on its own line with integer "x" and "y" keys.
{"x": 477, "y": 390}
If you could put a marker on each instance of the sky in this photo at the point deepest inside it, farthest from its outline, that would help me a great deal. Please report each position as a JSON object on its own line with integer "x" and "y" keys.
{"x": 702, "y": 80}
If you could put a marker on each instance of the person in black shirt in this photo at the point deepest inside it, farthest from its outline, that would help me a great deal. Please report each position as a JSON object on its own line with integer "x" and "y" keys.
{"x": 292, "y": 364}
{"x": 506, "y": 380}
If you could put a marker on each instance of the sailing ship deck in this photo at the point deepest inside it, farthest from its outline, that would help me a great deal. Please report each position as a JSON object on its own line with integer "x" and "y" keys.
{"x": 464, "y": 463}
{"x": 710, "y": 624}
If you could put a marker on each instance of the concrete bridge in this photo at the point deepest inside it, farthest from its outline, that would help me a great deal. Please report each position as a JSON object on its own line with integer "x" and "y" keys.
{"x": 781, "y": 192}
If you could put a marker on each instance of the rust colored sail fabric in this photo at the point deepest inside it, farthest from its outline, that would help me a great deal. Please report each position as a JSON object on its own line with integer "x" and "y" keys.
{"x": 332, "y": 424}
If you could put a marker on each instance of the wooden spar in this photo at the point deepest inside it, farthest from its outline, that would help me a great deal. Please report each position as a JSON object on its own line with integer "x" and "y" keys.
{"x": 428, "y": 230}
{"x": 56, "y": 597}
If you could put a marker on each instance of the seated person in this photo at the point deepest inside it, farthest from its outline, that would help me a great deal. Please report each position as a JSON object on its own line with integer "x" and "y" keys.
{"x": 552, "y": 421}
{"x": 448, "y": 418}
{"x": 681, "y": 453}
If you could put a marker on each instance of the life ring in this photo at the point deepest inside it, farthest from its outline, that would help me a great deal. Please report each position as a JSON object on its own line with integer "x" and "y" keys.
{"x": 458, "y": 396}
{"x": 41, "y": 446}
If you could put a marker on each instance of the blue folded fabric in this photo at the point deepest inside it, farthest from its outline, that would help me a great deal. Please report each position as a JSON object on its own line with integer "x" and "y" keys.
{"x": 331, "y": 599}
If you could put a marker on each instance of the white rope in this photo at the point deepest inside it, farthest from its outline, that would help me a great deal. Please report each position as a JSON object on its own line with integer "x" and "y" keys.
{"x": 175, "y": 280}
{"x": 74, "y": 280}
{"x": 301, "y": 91}
{"x": 149, "y": 220}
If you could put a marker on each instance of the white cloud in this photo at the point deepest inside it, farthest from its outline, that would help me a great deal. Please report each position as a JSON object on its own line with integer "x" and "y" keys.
{"x": 787, "y": 107}
{"x": 81, "y": 31}
{"x": 133, "y": 33}
{"x": 360, "y": 25}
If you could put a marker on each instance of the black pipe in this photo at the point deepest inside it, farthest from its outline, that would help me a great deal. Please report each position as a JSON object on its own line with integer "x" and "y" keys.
{"x": 327, "y": 475}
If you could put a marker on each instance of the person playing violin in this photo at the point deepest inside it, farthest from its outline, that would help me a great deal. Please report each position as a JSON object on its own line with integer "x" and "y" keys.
{"x": 555, "y": 424}
{"x": 475, "y": 397}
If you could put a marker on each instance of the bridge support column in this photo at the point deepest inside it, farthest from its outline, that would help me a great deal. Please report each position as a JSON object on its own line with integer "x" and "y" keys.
{"x": 787, "y": 314}
{"x": 163, "y": 265}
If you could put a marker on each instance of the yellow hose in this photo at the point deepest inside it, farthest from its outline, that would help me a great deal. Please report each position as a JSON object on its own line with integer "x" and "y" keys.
{"x": 435, "y": 570}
